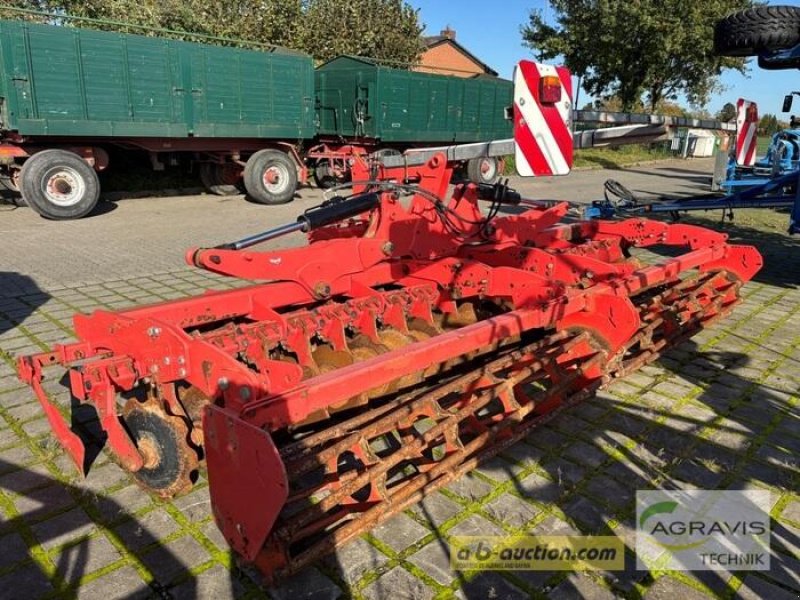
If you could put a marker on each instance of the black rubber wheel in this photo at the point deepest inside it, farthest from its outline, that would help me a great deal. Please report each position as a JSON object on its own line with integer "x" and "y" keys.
{"x": 9, "y": 189}
{"x": 171, "y": 464}
{"x": 59, "y": 185}
{"x": 323, "y": 175}
{"x": 270, "y": 177}
{"x": 483, "y": 170}
{"x": 221, "y": 180}
{"x": 756, "y": 30}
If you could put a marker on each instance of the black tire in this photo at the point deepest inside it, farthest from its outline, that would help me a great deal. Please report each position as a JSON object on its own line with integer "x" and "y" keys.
{"x": 59, "y": 185}
{"x": 9, "y": 190}
{"x": 483, "y": 170}
{"x": 216, "y": 180}
{"x": 323, "y": 175}
{"x": 756, "y": 30}
{"x": 270, "y": 177}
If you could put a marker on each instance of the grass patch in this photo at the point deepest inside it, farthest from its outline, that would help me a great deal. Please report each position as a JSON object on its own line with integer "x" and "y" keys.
{"x": 610, "y": 158}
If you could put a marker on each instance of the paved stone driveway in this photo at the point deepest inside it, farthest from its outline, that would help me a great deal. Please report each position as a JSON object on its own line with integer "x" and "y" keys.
{"x": 721, "y": 411}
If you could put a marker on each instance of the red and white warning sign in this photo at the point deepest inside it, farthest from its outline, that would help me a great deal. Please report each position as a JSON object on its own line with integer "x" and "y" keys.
{"x": 746, "y": 132}
{"x": 542, "y": 119}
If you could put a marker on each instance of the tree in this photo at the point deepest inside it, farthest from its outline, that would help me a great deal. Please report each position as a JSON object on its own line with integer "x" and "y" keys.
{"x": 652, "y": 48}
{"x": 728, "y": 113}
{"x": 768, "y": 124}
{"x": 383, "y": 29}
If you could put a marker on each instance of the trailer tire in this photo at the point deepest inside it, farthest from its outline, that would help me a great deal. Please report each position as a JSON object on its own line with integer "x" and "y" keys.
{"x": 270, "y": 177}
{"x": 323, "y": 175}
{"x": 756, "y": 30}
{"x": 483, "y": 170}
{"x": 59, "y": 185}
{"x": 213, "y": 177}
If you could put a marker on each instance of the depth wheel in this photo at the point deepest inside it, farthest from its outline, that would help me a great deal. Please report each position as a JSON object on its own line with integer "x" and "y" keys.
{"x": 483, "y": 170}
{"x": 163, "y": 441}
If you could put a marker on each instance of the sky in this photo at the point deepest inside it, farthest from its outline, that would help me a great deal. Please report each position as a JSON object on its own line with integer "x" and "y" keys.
{"x": 491, "y": 31}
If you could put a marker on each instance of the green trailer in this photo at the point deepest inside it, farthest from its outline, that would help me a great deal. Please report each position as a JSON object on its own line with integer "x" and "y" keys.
{"x": 371, "y": 106}
{"x": 68, "y": 93}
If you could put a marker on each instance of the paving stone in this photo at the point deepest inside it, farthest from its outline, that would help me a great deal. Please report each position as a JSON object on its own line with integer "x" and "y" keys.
{"x": 546, "y": 438}
{"x": 511, "y": 511}
{"x": 490, "y": 584}
{"x": 146, "y": 530}
{"x": 25, "y": 479}
{"x": 778, "y": 458}
{"x": 470, "y": 487}
{"x": 64, "y": 528}
{"x": 354, "y": 560}
{"x": 309, "y": 584}
{"x": 768, "y": 475}
{"x": 212, "y": 532}
{"x": 792, "y": 511}
{"x": 667, "y": 588}
{"x": 196, "y": 505}
{"x": 123, "y": 582}
{"x": 43, "y": 501}
{"x": 497, "y": 469}
{"x": 697, "y": 475}
{"x": 434, "y": 559}
{"x": 589, "y": 515}
{"x": 26, "y": 582}
{"x": 14, "y": 550}
{"x": 785, "y": 537}
{"x": 25, "y": 412}
{"x": 400, "y": 532}
{"x": 577, "y": 585}
{"x": 563, "y": 472}
{"x": 475, "y": 525}
{"x": 553, "y": 526}
{"x": 398, "y": 583}
{"x": 100, "y": 478}
{"x": 524, "y": 454}
{"x": 609, "y": 491}
{"x": 121, "y": 504}
{"x": 86, "y": 556}
{"x": 755, "y": 588}
{"x": 172, "y": 561}
{"x": 436, "y": 509}
{"x": 539, "y": 489}
{"x": 585, "y": 454}
{"x": 785, "y": 570}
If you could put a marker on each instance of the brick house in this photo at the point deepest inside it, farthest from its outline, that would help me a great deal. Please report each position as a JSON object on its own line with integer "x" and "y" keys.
{"x": 442, "y": 54}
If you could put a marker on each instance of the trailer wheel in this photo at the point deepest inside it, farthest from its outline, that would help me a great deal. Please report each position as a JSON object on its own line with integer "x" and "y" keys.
{"x": 59, "y": 185}
{"x": 270, "y": 177}
{"x": 221, "y": 180}
{"x": 755, "y": 30}
{"x": 323, "y": 175}
{"x": 483, "y": 170}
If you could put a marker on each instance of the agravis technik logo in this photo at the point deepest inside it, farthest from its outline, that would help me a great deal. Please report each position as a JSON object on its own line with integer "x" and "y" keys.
{"x": 703, "y": 529}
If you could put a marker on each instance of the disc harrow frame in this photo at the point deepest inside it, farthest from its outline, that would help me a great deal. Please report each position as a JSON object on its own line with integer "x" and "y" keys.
{"x": 411, "y": 320}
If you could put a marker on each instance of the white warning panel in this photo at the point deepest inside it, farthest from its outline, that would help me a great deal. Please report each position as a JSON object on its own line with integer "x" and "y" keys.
{"x": 542, "y": 115}
{"x": 746, "y": 132}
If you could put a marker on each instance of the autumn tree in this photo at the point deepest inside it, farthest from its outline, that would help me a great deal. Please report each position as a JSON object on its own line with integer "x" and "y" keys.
{"x": 652, "y": 48}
